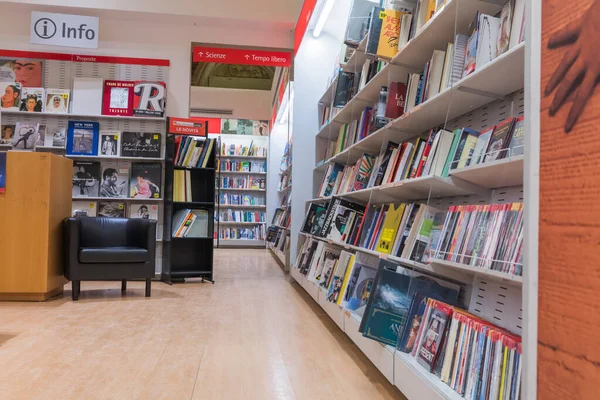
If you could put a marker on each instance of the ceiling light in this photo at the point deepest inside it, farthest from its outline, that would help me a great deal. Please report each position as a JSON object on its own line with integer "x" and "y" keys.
{"x": 323, "y": 16}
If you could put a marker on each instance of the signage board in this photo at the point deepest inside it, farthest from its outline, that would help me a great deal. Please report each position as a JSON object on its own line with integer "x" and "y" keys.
{"x": 186, "y": 126}
{"x": 67, "y": 30}
{"x": 242, "y": 56}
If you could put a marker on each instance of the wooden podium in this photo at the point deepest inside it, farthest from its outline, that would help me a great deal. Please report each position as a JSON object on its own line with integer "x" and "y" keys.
{"x": 36, "y": 201}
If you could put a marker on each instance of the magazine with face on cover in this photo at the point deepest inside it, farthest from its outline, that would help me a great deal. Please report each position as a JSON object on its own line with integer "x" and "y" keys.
{"x": 57, "y": 101}
{"x": 86, "y": 178}
{"x": 144, "y": 211}
{"x": 115, "y": 179}
{"x": 145, "y": 181}
{"x": 32, "y": 99}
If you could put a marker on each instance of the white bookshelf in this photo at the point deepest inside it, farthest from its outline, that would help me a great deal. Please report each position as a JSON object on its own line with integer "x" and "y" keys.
{"x": 241, "y": 140}
{"x": 487, "y": 96}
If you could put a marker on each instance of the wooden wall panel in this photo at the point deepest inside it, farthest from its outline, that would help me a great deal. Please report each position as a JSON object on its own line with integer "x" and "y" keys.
{"x": 569, "y": 226}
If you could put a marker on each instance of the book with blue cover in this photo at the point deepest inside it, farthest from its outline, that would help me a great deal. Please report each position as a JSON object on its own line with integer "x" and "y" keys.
{"x": 82, "y": 138}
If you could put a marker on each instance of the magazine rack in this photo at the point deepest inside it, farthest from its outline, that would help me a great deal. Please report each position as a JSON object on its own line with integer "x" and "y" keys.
{"x": 188, "y": 257}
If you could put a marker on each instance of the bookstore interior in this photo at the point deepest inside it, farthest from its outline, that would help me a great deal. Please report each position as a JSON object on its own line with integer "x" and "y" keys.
{"x": 386, "y": 157}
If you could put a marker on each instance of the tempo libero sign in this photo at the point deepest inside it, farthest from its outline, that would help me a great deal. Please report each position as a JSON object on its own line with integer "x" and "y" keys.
{"x": 223, "y": 55}
{"x": 64, "y": 30}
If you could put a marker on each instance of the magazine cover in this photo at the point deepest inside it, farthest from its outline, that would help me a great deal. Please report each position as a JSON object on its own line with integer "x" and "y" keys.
{"x": 118, "y": 98}
{"x": 112, "y": 209}
{"x": 140, "y": 144}
{"x": 143, "y": 210}
{"x": 229, "y": 126}
{"x": 82, "y": 138}
{"x": 10, "y": 95}
{"x": 86, "y": 178}
{"x": 27, "y": 73}
{"x": 41, "y": 137}
{"x": 57, "y": 101}
{"x": 434, "y": 332}
{"x": 110, "y": 143}
{"x": 25, "y": 136}
{"x": 2, "y": 172}
{"x": 6, "y": 133}
{"x": 260, "y": 128}
{"x": 82, "y": 208}
{"x": 115, "y": 179}
{"x": 145, "y": 181}
{"x": 149, "y": 99}
{"x": 32, "y": 99}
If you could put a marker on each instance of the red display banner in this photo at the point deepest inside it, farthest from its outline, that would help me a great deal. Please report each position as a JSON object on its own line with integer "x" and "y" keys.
{"x": 307, "y": 9}
{"x": 214, "y": 124}
{"x": 242, "y": 56}
{"x": 84, "y": 58}
{"x": 186, "y": 126}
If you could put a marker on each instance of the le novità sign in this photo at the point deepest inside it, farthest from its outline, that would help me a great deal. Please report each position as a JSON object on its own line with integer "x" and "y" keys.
{"x": 64, "y": 30}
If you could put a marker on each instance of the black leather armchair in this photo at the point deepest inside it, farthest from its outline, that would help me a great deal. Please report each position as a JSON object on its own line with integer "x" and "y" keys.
{"x": 109, "y": 249}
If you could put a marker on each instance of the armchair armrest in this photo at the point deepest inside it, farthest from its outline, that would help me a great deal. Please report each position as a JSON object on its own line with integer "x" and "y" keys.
{"x": 142, "y": 233}
{"x": 71, "y": 243}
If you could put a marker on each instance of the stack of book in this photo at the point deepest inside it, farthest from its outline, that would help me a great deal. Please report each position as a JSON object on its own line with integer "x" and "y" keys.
{"x": 241, "y": 216}
{"x": 254, "y": 233}
{"x": 251, "y": 150}
{"x": 193, "y": 152}
{"x": 239, "y": 200}
{"x": 190, "y": 223}
{"x": 281, "y": 217}
{"x": 241, "y": 183}
{"x": 242, "y": 166}
{"x": 484, "y": 235}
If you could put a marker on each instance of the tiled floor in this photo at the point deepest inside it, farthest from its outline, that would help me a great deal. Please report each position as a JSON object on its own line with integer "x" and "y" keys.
{"x": 252, "y": 335}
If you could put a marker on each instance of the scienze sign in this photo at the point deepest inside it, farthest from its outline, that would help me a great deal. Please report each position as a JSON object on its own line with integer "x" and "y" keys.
{"x": 242, "y": 56}
{"x": 64, "y": 30}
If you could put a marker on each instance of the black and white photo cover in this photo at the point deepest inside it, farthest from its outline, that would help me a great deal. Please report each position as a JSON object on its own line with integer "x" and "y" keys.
{"x": 82, "y": 208}
{"x": 41, "y": 139}
{"x": 115, "y": 179}
{"x": 140, "y": 144}
{"x": 82, "y": 138}
{"x": 56, "y": 137}
{"x": 25, "y": 136}
{"x": 86, "y": 178}
{"x": 112, "y": 209}
{"x": 145, "y": 181}
{"x": 57, "y": 101}
{"x": 110, "y": 143}
{"x": 143, "y": 210}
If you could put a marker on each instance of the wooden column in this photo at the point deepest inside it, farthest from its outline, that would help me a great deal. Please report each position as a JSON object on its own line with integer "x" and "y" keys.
{"x": 36, "y": 201}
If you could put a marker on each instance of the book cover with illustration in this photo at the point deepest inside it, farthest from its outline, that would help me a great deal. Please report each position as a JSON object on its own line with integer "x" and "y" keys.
{"x": 361, "y": 281}
{"x": 365, "y": 169}
{"x": 144, "y": 211}
{"x": 388, "y": 304}
{"x": 432, "y": 336}
{"x": 32, "y": 99}
{"x": 57, "y": 101}
{"x": 150, "y": 99}
{"x": 25, "y": 136}
{"x": 112, "y": 209}
{"x": 10, "y": 94}
{"x": 140, "y": 144}
{"x": 118, "y": 98}
{"x": 82, "y": 138}
{"x": 145, "y": 182}
{"x": 86, "y": 178}
{"x": 6, "y": 133}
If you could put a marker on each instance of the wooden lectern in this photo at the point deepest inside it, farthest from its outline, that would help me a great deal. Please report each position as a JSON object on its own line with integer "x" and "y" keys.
{"x": 36, "y": 201}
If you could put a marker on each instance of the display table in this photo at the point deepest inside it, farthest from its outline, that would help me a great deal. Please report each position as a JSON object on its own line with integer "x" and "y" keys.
{"x": 36, "y": 201}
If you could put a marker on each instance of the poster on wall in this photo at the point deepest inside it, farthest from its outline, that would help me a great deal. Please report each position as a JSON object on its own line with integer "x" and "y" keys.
{"x": 231, "y": 126}
{"x": 569, "y": 211}
{"x": 2, "y": 172}
{"x": 29, "y": 73}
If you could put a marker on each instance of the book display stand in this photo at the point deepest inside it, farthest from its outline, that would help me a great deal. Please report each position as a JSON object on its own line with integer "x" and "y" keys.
{"x": 241, "y": 190}
{"x": 490, "y": 289}
{"x": 189, "y": 207}
{"x": 71, "y": 95}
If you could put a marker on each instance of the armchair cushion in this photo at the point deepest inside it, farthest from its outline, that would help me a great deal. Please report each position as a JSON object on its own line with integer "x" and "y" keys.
{"x": 113, "y": 255}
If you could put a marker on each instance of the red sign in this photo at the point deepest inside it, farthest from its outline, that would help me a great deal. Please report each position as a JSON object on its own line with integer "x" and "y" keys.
{"x": 186, "y": 126}
{"x": 83, "y": 58}
{"x": 303, "y": 20}
{"x": 240, "y": 56}
{"x": 214, "y": 124}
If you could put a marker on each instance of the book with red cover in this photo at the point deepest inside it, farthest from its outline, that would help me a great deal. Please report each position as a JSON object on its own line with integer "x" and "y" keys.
{"x": 149, "y": 99}
{"x": 396, "y": 100}
{"x": 118, "y": 98}
{"x": 426, "y": 152}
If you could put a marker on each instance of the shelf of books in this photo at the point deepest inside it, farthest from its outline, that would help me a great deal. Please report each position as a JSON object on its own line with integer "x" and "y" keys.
{"x": 189, "y": 201}
{"x": 240, "y": 194}
{"x": 278, "y": 233}
{"x": 105, "y": 113}
{"x": 413, "y": 241}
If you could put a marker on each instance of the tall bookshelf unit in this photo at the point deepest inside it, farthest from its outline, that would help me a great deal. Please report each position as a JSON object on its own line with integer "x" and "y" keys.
{"x": 188, "y": 257}
{"x": 482, "y": 99}
{"x": 59, "y": 71}
{"x": 245, "y": 198}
